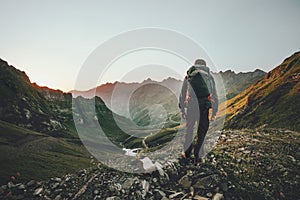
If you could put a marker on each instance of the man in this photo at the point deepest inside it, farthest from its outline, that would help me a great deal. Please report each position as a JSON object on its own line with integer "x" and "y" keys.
{"x": 198, "y": 95}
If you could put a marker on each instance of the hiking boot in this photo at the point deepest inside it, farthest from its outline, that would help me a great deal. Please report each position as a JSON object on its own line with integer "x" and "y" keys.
{"x": 198, "y": 161}
{"x": 185, "y": 160}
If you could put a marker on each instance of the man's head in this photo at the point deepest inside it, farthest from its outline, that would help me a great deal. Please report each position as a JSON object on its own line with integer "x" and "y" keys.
{"x": 200, "y": 62}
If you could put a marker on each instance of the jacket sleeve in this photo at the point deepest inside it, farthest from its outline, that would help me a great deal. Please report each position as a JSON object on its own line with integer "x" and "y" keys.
{"x": 215, "y": 102}
{"x": 182, "y": 96}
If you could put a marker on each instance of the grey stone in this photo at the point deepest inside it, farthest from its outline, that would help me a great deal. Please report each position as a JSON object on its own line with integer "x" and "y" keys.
{"x": 218, "y": 196}
{"x": 185, "y": 182}
{"x": 161, "y": 193}
{"x": 4, "y": 187}
{"x": 145, "y": 185}
{"x": 113, "y": 198}
{"x": 209, "y": 194}
{"x": 128, "y": 183}
{"x": 46, "y": 198}
{"x": 31, "y": 183}
{"x": 176, "y": 195}
{"x": 192, "y": 191}
{"x": 57, "y": 179}
{"x": 197, "y": 197}
{"x": 203, "y": 183}
{"x": 10, "y": 185}
{"x": 37, "y": 191}
{"x": 292, "y": 158}
{"x": 54, "y": 186}
{"x": 47, "y": 191}
{"x": 58, "y": 197}
{"x": 21, "y": 187}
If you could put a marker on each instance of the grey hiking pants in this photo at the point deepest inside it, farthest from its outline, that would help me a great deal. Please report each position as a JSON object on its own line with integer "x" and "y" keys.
{"x": 199, "y": 115}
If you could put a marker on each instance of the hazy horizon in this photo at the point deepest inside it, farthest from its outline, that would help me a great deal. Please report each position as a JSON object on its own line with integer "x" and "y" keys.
{"x": 124, "y": 81}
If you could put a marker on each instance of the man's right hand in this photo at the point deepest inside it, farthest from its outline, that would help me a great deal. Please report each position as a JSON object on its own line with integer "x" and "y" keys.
{"x": 183, "y": 114}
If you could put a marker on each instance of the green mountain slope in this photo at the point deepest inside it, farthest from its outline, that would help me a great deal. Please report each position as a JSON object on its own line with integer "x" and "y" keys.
{"x": 274, "y": 100}
{"x": 38, "y": 137}
{"x": 38, "y": 156}
{"x": 37, "y": 108}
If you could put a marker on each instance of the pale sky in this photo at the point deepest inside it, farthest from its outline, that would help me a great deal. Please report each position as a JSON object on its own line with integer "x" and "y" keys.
{"x": 50, "y": 40}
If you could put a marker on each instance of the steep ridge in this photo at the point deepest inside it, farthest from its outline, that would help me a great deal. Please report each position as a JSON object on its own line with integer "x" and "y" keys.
{"x": 42, "y": 109}
{"x": 38, "y": 137}
{"x": 37, "y": 108}
{"x": 272, "y": 101}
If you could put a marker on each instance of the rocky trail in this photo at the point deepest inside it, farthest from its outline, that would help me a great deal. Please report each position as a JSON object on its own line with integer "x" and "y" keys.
{"x": 245, "y": 164}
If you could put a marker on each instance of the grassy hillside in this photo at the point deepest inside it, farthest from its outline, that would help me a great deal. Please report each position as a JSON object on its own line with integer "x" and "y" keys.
{"x": 37, "y": 156}
{"x": 38, "y": 137}
{"x": 274, "y": 100}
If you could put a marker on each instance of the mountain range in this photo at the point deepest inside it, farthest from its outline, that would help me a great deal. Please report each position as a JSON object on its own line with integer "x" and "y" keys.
{"x": 235, "y": 83}
{"x": 119, "y": 96}
{"x": 38, "y": 134}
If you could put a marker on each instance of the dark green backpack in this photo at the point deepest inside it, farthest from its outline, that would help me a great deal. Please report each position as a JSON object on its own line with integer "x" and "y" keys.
{"x": 200, "y": 81}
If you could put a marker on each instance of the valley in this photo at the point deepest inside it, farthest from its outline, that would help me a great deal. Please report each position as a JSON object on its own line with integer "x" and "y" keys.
{"x": 51, "y": 141}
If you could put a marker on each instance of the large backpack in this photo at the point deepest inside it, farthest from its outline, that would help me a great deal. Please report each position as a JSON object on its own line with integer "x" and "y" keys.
{"x": 200, "y": 82}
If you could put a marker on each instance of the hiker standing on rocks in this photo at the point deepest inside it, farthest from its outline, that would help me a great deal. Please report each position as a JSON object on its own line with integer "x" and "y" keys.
{"x": 198, "y": 95}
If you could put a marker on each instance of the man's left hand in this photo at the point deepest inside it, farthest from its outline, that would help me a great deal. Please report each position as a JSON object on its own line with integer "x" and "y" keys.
{"x": 213, "y": 118}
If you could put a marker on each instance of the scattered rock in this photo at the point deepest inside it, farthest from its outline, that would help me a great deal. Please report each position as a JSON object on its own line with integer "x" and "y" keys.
{"x": 223, "y": 174}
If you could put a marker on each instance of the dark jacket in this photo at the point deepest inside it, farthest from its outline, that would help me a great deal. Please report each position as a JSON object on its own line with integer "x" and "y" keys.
{"x": 206, "y": 96}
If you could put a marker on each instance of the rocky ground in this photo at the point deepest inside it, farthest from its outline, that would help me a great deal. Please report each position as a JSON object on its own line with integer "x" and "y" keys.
{"x": 245, "y": 164}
